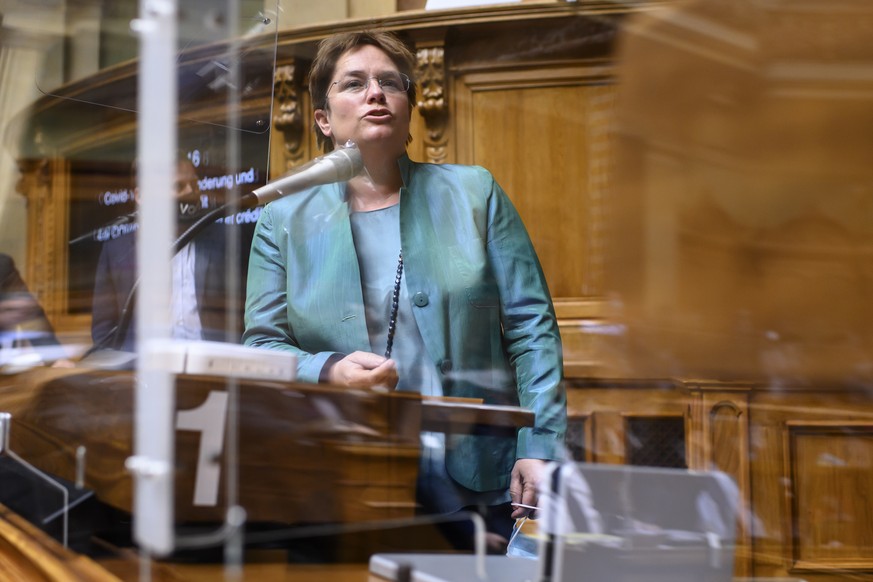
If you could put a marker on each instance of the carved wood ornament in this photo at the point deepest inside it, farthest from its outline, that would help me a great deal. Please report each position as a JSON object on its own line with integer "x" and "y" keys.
{"x": 432, "y": 103}
{"x": 289, "y": 119}
{"x": 43, "y": 257}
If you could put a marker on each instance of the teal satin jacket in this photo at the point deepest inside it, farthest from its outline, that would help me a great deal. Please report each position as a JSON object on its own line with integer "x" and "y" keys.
{"x": 477, "y": 289}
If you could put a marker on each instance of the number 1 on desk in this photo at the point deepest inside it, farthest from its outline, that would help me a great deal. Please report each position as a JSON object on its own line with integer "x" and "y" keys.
{"x": 209, "y": 420}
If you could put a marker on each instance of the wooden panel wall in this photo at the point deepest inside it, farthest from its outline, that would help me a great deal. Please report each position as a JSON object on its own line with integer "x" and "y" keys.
{"x": 831, "y": 468}
{"x": 801, "y": 458}
{"x": 811, "y": 468}
{"x": 549, "y": 154}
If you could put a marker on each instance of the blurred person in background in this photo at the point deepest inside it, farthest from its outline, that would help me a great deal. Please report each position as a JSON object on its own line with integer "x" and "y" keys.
{"x": 198, "y": 276}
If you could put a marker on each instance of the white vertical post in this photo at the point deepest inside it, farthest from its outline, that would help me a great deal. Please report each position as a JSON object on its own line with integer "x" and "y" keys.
{"x": 155, "y": 390}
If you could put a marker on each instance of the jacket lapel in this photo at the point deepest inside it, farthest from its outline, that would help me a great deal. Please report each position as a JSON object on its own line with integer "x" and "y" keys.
{"x": 342, "y": 303}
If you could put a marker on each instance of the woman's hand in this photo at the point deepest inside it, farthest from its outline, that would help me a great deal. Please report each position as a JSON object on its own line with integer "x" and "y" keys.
{"x": 524, "y": 480}
{"x": 364, "y": 370}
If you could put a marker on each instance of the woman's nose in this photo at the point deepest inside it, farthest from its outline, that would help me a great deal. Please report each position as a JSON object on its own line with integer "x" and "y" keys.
{"x": 374, "y": 90}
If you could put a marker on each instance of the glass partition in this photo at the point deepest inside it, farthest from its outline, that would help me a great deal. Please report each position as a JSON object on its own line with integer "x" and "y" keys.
{"x": 654, "y": 290}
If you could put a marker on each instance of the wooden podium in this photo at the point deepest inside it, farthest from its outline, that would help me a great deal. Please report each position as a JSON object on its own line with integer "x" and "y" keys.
{"x": 306, "y": 453}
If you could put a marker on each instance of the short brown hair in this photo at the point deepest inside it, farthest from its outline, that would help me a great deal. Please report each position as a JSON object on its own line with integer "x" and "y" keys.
{"x": 333, "y": 47}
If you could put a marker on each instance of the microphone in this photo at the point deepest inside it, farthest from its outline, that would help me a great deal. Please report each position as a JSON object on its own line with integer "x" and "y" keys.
{"x": 339, "y": 165}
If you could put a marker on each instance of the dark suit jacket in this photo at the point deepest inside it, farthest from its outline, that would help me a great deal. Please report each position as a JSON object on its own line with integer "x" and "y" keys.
{"x": 116, "y": 275}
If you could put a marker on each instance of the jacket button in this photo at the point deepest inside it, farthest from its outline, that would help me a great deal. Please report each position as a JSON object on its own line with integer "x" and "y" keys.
{"x": 420, "y": 299}
{"x": 446, "y": 366}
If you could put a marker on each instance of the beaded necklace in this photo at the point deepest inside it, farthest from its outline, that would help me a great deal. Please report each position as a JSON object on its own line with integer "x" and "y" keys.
{"x": 395, "y": 302}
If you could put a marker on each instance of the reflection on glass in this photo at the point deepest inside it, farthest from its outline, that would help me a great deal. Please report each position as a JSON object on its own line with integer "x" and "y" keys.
{"x": 203, "y": 74}
{"x": 739, "y": 259}
{"x": 27, "y": 337}
{"x": 694, "y": 178}
{"x": 741, "y": 242}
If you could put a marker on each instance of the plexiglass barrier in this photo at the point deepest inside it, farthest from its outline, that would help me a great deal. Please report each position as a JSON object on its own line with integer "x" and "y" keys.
{"x": 693, "y": 177}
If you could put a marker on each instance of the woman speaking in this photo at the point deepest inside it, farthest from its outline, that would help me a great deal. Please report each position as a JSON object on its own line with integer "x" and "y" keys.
{"x": 415, "y": 276}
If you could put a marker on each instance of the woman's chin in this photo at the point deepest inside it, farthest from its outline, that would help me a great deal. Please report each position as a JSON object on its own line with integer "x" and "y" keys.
{"x": 386, "y": 138}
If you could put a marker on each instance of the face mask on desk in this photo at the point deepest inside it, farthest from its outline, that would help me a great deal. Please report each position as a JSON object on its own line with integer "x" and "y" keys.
{"x": 521, "y": 544}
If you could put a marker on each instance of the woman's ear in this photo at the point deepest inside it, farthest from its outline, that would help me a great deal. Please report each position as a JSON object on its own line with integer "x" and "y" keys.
{"x": 323, "y": 121}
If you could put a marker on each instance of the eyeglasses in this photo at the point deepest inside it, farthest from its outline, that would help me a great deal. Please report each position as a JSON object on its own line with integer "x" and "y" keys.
{"x": 390, "y": 83}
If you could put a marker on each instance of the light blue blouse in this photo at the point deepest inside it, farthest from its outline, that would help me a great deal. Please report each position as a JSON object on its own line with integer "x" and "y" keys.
{"x": 377, "y": 243}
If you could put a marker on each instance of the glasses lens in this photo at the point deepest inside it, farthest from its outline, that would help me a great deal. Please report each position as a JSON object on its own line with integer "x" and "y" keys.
{"x": 351, "y": 85}
{"x": 389, "y": 83}
{"x": 394, "y": 83}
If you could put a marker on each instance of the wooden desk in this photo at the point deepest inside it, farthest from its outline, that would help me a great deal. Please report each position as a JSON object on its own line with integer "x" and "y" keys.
{"x": 26, "y": 553}
{"x": 128, "y": 569}
{"x": 307, "y": 453}
{"x": 470, "y": 418}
